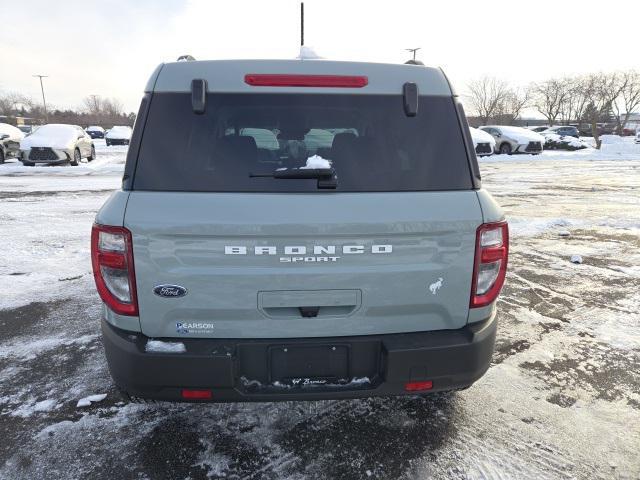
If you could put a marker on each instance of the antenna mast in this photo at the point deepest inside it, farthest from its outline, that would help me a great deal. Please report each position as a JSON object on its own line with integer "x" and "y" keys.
{"x": 302, "y": 24}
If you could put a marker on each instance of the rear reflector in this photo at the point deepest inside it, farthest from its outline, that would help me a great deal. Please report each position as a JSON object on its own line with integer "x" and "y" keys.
{"x": 490, "y": 264}
{"x": 190, "y": 394}
{"x": 284, "y": 80}
{"x": 418, "y": 386}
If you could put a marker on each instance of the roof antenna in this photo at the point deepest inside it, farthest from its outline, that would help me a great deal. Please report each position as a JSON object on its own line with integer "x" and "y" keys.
{"x": 413, "y": 61}
{"x": 306, "y": 53}
{"x": 302, "y": 24}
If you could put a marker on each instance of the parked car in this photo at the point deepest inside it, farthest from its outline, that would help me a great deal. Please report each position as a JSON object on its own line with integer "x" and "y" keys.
{"x": 637, "y": 137}
{"x": 538, "y": 128}
{"x": 483, "y": 142}
{"x": 57, "y": 143}
{"x": 515, "y": 139}
{"x": 554, "y": 141}
{"x": 369, "y": 268}
{"x": 562, "y": 130}
{"x": 95, "y": 131}
{"x": 118, "y": 135}
{"x": 10, "y": 137}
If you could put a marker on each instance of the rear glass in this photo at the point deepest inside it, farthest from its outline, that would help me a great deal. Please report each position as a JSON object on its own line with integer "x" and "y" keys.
{"x": 370, "y": 142}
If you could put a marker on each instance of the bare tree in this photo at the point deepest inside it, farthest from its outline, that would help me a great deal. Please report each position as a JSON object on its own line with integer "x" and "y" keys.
{"x": 549, "y": 98}
{"x": 601, "y": 91}
{"x": 514, "y": 101}
{"x": 487, "y": 96}
{"x": 629, "y": 98}
{"x": 93, "y": 104}
{"x": 112, "y": 107}
{"x": 575, "y": 101}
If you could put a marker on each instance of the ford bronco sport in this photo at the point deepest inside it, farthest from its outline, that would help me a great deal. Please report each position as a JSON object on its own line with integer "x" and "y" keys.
{"x": 298, "y": 230}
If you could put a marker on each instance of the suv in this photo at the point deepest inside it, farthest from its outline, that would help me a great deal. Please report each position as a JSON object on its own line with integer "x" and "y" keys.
{"x": 298, "y": 230}
{"x": 563, "y": 130}
{"x": 515, "y": 139}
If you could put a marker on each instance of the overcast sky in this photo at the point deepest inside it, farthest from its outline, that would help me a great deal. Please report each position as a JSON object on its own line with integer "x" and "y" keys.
{"x": 110, "y": 47}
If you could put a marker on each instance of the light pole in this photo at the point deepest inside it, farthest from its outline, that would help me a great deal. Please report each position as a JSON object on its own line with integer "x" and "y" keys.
{"x": 44, "y": 102}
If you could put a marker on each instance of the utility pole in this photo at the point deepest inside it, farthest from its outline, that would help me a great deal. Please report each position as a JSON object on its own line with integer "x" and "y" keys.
{"x": 44, "y": 102}
{"x": 302, "y": 24}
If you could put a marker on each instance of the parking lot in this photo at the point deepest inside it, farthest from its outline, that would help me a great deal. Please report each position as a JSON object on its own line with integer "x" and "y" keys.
{"x": 561, "y": 399}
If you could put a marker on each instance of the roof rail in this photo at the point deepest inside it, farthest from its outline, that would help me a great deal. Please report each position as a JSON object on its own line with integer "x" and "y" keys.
{"x": 186, "y": 58}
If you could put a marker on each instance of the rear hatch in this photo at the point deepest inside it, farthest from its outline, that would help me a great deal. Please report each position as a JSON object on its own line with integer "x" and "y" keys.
{"x": 390, "y": 249}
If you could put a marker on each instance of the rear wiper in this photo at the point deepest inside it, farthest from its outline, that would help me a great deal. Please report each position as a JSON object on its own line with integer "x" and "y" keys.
{"x": 327, "y": 177}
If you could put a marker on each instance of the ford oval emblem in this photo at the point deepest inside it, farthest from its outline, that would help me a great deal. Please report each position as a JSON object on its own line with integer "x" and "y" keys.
{"x": 170, "y": 291}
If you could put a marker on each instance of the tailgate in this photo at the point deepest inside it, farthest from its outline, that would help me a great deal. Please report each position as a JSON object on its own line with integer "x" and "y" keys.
{"x": 302, "y": 265}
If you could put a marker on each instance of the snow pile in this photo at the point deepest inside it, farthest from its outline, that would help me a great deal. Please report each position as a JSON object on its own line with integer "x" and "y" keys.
{"x": 14, "y": 133}
{"x": 87, "y": 401}
{"x": 317, "y": 162}
{"x": 308, "y": 53}
{"x": 611, "y": 139}
{"x": 158, "y": 346}
{"x": 54, "y": 135}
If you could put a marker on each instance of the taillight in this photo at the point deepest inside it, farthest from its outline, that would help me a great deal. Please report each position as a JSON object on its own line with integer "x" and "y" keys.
{"x": 418, "y": 386}
{"x": 286, "y": 80}
{"x": 112, "y": 261}
{"x": 490, "y": 264}
{"x": 191, "y": 394}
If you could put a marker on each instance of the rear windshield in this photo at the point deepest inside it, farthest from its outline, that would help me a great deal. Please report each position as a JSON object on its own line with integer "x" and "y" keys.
{"x": 368, "y": 140}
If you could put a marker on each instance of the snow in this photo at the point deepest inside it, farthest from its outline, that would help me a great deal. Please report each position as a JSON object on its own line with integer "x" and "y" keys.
{"x": 95, "y": 128}
{"x": 87, "y": 401}
{"x": 308, "y": 53}
{"x": 520, "y": 135}
{"x": 53, "y": 135}
{"x": 159, "y": 346}
{"x": 576, "y": 258}
{"x": 119, "y": 133}
{"x": 480, "y": 136}
{"x": 14, "y": 133}
{"x": 317, "y": 161}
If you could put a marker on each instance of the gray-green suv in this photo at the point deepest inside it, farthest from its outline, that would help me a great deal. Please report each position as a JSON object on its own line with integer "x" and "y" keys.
{"x": 299, "y": 229}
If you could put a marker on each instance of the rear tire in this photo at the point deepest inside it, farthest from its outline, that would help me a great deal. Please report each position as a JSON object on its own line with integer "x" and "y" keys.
{"x": 1, "y": 156}
{"x": 505, "y": 149}
{"x": 77, "y": 158}
{"x": 93, "y": 154}
{"x": 27, "y": 164}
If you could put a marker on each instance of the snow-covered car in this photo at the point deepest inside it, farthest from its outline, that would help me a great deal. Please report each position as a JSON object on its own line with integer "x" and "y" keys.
{"x": 538, "y": 128}
{"x": 515, "y": 139}
{"x": 638, "y": 136}
{"x": 562, "y": 130}
{"x": 118, "y": 135}
{"x": 95, "y": 131}
{"x": 554, "y": 141}
{"x": 57, "y": 143}
{"x": 10, "y": 138}
{"x": 482, "y": 142}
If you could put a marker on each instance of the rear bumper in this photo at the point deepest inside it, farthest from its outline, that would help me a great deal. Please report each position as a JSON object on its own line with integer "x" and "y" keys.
{"x": 118, "y": 141}
{"x": 242, "y": 370}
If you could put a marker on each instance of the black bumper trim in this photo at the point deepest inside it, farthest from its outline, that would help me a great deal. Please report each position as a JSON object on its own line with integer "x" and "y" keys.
{"x": 236, "y": 369}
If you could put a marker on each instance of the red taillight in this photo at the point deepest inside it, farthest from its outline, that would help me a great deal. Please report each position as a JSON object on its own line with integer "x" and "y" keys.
{"x": 113, "y": 271}
{"x": 490, "y": 264}
{"x": 285, "y": 80}
{"x": 190, "y": 394}
{"x": 418, "y": 386}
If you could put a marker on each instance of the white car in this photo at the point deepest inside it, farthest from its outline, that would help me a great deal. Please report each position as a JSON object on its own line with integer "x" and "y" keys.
{"x": 57, "y": 143}
{"x": 118, "y": 135}
{"x": 515, "y": 139}
{"x": 10, "y": 138}
{"x": 482, "y": 142}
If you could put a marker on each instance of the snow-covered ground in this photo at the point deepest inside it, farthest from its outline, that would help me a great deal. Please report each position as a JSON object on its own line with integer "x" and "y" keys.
{"x": 561, "y": 399}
